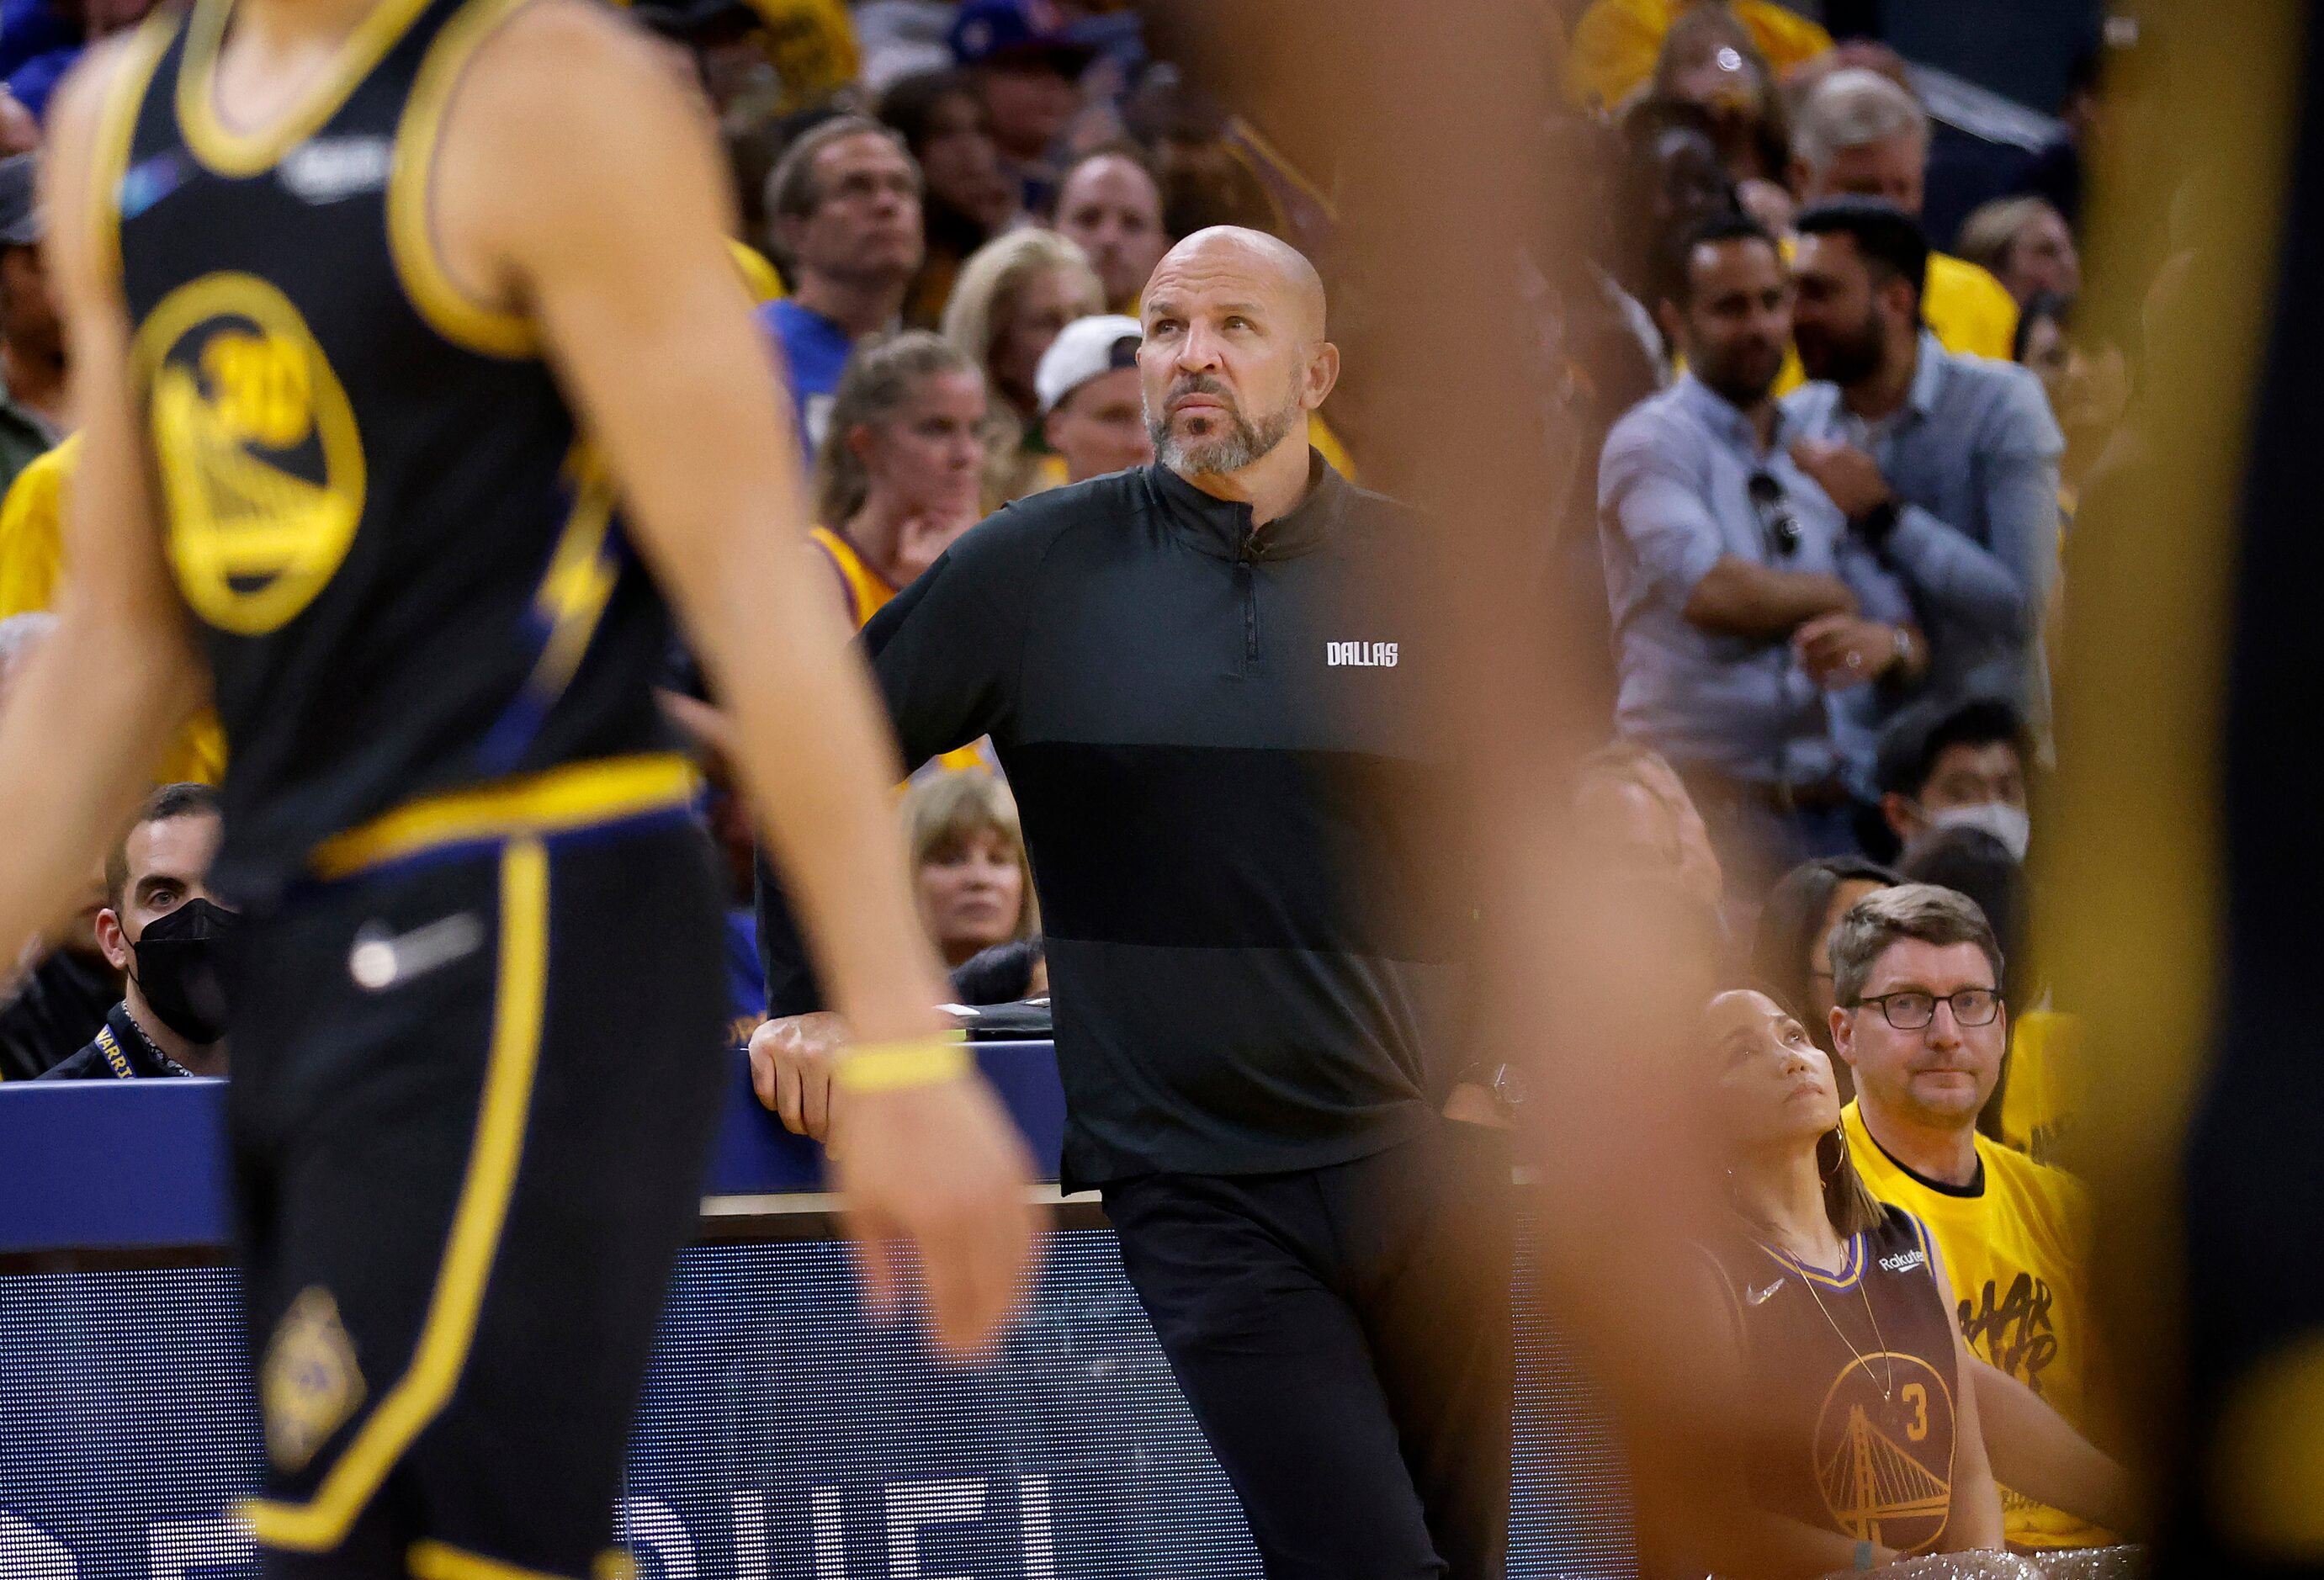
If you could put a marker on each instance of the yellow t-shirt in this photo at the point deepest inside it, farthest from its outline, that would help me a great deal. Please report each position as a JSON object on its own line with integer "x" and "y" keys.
{"x": 32, "y": 544}
{"x": 759, "y": 276}
{"x": 32, "y": 572}
{"x": 1970, "y": 311}
{"x": 2016, "y": 1252}
{"x": 813, "y": 48}
{"x": 2045, "y": 1082}
{"x": 1617, "y": 41}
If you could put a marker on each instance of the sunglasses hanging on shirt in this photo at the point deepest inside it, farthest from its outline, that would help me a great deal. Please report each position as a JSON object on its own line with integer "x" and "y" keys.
{"x": 1775, "y": 518}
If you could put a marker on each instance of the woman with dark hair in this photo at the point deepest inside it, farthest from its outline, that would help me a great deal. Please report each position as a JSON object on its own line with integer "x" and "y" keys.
{"x": 1862, "y": 1394}
{"x": 1791, "y": 947}
{"x": 968, "y": 199}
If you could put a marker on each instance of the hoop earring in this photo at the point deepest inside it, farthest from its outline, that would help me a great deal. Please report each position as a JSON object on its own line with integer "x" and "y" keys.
{"x": 1839, "y": 1139}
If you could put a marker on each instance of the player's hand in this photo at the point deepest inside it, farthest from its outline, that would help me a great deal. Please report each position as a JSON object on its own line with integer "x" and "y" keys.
{"x": 943, "y": 1167}
{"x": 790, "y": 1070}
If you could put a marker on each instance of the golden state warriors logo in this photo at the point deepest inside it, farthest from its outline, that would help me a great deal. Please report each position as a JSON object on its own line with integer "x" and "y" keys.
{"x": 1884, "y": 1451}
{"x": 261, "y": 466}
{"x": 309, "y": 1384}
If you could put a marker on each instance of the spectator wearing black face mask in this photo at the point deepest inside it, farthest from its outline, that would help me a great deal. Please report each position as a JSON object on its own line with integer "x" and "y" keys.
{"x": 161, "y": 927}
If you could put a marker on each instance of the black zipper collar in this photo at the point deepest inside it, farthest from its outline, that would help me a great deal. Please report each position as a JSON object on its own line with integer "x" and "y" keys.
{"x": 1221, "y": 528}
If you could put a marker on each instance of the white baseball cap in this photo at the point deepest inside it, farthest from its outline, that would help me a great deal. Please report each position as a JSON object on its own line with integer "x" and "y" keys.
{"x": 1082, "y": 350}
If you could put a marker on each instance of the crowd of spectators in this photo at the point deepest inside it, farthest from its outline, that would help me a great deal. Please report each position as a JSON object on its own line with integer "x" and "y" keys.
{"x": 1836, "y": 458}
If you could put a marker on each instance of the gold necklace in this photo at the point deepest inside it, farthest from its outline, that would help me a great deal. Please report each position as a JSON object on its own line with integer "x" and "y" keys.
{"x": 1887, "y": 1360}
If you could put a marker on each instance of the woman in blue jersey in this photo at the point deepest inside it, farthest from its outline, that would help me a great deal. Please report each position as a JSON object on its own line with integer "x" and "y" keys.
{"x": 1865, "y": 1444}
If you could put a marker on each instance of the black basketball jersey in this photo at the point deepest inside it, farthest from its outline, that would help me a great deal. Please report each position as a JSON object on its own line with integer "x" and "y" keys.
{"x": 1852, "y": 1384}
{"x": 408, "y": 573}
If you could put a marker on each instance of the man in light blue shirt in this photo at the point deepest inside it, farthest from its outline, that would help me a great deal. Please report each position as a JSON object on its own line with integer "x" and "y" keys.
{"x": 1746, "y": 623}
{"x": 1946, "y": 465}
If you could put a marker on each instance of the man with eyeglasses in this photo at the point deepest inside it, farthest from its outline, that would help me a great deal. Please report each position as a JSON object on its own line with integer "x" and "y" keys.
{"x": 1920, "y": 1019}
{"x": 1757, "y": 642}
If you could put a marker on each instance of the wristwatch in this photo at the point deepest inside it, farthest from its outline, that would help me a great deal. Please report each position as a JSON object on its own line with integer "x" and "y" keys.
{"x": 1876, "y": 524}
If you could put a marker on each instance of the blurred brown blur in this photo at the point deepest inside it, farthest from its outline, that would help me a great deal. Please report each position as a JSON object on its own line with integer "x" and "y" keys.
{"x": 1434, "y": 137}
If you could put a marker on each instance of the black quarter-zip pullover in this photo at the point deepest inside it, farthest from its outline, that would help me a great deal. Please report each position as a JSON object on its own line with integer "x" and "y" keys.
{"x": 1234, "y": 800}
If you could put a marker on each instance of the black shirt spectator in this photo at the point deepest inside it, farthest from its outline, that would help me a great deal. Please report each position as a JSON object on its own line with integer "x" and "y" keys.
{"x": 161, "y": 927}
{"x": 1208, "y": 680}
{"x": 55, "y": 1009}
{"x": 120, "y": 1050}
{"x": 1199, "y": 769}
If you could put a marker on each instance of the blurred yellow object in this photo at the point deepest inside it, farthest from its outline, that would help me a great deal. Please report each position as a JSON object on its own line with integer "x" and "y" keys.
{"x": 2045, "y": 1082}
{"x": 32, "y": 547}
{"x": 1971, "y": 312}
{"x": 1616, "y": 43}
{"x": 31, "y": 572}
{"x": 1327, "y": 444}
{"x": 759, "y": 276}
{"x": 197, "y": 755}
{"x": 812, "y": 45}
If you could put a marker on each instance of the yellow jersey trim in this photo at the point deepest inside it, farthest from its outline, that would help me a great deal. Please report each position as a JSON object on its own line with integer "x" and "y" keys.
{"x": 574, "y": 796}
{"x": 1851, "y": 1266}
{"x": 449, "y": 1328}
{"x": 448, "y": 310}
{"x": 226, "y": 151}
{"x": 117, "y": 134}
{"x": 579, "y": 582}
{"x": 440, "y": 1560}
{"x": 868, "y": 591}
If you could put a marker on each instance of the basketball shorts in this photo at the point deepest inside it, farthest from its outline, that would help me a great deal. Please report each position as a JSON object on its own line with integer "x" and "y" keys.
{"x": 473, "y": 1094}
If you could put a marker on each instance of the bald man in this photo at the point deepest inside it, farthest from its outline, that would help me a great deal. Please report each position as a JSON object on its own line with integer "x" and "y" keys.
{"x": 1205, "y": 680}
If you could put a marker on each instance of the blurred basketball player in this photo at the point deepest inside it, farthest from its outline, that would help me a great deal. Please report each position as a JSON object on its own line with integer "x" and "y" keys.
{"x": 351, "y": 280}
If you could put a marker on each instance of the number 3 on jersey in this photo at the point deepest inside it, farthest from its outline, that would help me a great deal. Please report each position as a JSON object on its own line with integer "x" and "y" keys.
{"x": 261, "y": 465}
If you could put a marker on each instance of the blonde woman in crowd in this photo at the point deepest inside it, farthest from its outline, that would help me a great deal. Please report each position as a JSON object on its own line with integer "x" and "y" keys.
{"x": 1013, "y": 297}
{"x": 900, "y": 472}
{"x": 969, "y": 871}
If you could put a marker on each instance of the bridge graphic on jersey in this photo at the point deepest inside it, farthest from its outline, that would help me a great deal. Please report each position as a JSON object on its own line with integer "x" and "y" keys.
{"x": 1868, "y": 1480}
{"x": 252, "y": 516}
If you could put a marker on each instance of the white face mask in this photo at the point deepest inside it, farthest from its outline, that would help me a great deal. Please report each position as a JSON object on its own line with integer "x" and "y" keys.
{"x": 2009, "y": 824}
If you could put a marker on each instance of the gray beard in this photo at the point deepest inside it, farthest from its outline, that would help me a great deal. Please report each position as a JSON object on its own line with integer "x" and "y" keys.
{"x": 1240, "y": 443}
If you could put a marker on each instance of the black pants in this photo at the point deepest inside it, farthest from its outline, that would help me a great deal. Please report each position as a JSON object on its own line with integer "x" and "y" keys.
{"x": 472, "y": 1099}
{"x": 1344, "y": 1337}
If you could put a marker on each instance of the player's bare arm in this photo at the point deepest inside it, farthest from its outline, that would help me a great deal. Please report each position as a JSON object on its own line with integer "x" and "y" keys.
{"x": 577, "y": 183}
{"x": 94, "y": 710}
